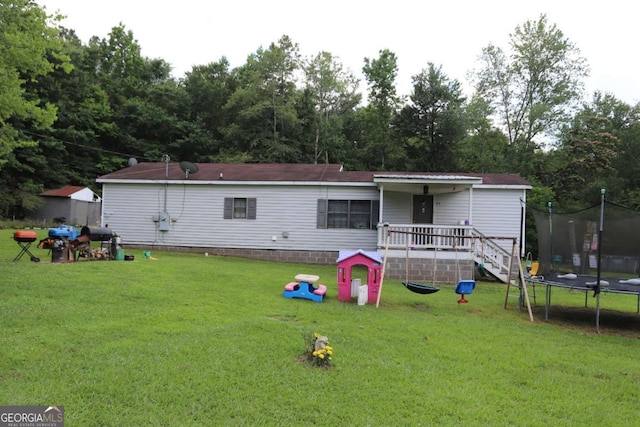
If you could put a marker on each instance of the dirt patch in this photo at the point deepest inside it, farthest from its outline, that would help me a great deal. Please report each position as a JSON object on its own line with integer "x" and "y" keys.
{"x": 420, "y": 307}
{"x": 612, "y": 322}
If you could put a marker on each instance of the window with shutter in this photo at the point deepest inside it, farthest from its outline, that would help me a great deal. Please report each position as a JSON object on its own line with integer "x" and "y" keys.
{"x": 359, "y": 214}
{"x": 251, "y": 208}
{"x": 240, "y": 208}
{"x": 228, "y": 208}
{"x": 321, "y": 221}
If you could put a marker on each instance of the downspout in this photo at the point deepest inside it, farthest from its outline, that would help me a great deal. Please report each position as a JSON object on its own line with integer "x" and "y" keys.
{"x": 102, "y": 208}
{"x": 523, "y": 205}
{"x": 381, "y": 237}
{"x": 470, "y": 215}
{"x": 166, "y": 160}
{"x": 380, "y": 215}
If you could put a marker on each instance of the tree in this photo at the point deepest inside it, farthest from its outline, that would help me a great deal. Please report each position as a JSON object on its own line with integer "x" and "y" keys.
{"x": 334, "y": 94}
{"x": 534, "y": 87}
{"x": 485, "y": 149}
{"x": 376, "y": 141}
{"x": 265, "y": 122}
{"x": 622, "y": 122}
{"x": 84, "y": 115}
{"x": 27, "y": 41}
{"x": 148, "y": 107}
{"x": 433, "y": 121}
{"x": 120, "y": 64}
{"x": 628, "y": 164}
{"x": 209, "y": 88}
{"x": 586, "y": 160}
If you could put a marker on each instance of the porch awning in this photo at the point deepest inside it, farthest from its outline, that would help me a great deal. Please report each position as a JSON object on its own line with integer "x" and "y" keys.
{"x": 409, "y": 182}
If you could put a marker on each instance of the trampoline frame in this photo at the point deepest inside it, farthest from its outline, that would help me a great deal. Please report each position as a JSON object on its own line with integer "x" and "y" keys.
{"x": 580, "y": 284}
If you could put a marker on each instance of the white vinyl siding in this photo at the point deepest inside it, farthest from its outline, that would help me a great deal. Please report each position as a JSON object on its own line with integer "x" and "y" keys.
{"x": 397, "y": 208}
{"x": 286, "y": 216}
{"x": 451, "y": 208}
{"x": 197, "y": 213}
{"x": 496, "y": 213}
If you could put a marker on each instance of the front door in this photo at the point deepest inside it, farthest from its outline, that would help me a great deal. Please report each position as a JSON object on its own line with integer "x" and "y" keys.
{"x": 422, "y": 214}
{"x": 422, "y": 209}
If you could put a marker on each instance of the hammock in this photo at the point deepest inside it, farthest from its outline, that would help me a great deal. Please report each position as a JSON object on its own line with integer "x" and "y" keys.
{"x": 420, "y": 288}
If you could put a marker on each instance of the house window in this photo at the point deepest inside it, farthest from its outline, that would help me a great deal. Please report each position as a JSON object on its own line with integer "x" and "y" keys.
{"x": 359, "y": 214}
{"x": 240, "y": 208}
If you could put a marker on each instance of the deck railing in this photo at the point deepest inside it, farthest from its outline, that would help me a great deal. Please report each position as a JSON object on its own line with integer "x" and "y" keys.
{"x": 425, "y": 236}
{"x": 485, "y": 250}
{"x": 494, "y": 257}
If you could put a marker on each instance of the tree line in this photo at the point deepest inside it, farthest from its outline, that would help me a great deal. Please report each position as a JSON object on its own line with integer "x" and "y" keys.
{"x": 72, "y": 111}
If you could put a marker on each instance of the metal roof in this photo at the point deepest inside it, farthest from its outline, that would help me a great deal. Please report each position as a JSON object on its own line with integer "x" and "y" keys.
{"x": 66, "y": 191}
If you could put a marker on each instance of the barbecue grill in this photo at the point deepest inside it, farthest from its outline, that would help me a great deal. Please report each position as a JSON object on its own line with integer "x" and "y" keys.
{"x": 98, "y": 234}
{"x": 24, "y": 240}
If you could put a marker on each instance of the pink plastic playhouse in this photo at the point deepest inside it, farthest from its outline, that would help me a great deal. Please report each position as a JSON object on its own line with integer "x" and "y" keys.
{"x": 348, "y": 259}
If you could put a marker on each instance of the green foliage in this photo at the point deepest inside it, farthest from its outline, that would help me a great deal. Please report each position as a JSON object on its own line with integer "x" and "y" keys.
{"x": 264, "y": 105}
{"x": 377, "y": 141}
{"x": 597, "y": 150}
{"x": 21, "y": 192}
{"x": 485, "y": 149}
{"x": 588, "y": 153}
{"x": 70, "y": 112}
{"x": 208, "y": 89}
{"x": 433, "y": 122}
{"x": 26, "y": 39}
{"x": 620, "y": 123}
{"x": 333, "y": 94}
{"x": 534, "y": 86}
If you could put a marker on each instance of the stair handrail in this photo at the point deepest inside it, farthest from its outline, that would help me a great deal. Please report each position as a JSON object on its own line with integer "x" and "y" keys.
{"x": 495, "y": 255}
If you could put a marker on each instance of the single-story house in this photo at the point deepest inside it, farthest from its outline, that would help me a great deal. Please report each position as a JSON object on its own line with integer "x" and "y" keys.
{"x": 309, "y": 212}
{"x": 71, "y": 204}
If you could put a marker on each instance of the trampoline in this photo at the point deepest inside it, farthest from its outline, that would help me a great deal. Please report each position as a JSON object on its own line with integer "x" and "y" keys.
{"x": 599, "y": 241}
{"x": 586, "y": 284}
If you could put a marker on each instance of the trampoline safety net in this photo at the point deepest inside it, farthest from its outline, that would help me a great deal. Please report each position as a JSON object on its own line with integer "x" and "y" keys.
{"x": 568, "y": 242}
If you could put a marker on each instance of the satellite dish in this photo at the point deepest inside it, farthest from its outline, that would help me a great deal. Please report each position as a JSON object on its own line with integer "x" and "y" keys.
{"x": 132, "y": 161}
{"x": 188, "y": 168}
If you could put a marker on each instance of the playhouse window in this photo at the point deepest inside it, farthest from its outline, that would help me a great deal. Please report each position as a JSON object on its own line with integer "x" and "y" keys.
{"x": 359, "y": 214}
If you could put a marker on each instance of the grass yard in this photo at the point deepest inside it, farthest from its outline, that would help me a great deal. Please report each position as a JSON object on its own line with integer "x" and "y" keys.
{"x": 189, "y": 340}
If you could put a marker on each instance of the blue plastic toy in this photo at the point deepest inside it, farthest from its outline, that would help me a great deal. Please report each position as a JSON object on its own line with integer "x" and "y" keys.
{"x": 465, "y": 287}
{"x": 304, "y": 288}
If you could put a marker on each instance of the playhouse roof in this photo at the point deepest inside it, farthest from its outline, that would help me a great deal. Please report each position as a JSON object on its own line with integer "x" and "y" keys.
{"x": 343, "y": 255}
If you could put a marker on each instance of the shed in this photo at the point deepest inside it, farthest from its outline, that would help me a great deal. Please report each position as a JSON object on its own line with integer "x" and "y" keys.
{"x": 70, "y": 204}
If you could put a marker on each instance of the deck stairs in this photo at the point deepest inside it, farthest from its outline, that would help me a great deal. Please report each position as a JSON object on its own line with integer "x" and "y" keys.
{"x": 492, "y": 259}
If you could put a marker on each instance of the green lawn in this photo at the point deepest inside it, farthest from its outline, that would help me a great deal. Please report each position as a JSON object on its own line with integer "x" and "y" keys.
{"x": 189, "y": 340}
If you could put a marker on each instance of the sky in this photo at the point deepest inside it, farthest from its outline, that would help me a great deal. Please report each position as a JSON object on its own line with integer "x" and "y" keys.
{"x": 447, "y": 33}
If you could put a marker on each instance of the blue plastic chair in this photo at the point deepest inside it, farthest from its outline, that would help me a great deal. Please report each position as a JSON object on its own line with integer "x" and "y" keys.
{"x": 465, "y": 287}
